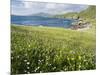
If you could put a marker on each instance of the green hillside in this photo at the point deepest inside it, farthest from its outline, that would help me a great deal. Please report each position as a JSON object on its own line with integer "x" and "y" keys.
{"x": 90, "y": 12}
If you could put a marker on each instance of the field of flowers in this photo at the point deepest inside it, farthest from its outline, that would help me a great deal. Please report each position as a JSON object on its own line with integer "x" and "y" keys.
{"x": 47, "y": 49}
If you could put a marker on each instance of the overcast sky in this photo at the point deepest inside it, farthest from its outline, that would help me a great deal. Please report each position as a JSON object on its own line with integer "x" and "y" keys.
{"x": 22, "y": 7}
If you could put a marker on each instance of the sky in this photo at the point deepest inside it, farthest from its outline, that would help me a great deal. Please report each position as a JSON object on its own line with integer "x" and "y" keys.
{"x": 23, "y": 7}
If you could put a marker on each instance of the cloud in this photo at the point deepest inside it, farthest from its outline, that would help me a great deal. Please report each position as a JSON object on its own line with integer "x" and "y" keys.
{"x": 22, "y": 7}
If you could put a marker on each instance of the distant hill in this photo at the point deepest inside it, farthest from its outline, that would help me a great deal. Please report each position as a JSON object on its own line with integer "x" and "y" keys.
{"x": 41, "y": 14}
{"x": 67, "y": 15}
{"x": 37, "y": 14}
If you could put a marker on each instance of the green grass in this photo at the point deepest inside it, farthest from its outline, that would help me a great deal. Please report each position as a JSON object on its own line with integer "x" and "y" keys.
{"x": 48, "y": 49}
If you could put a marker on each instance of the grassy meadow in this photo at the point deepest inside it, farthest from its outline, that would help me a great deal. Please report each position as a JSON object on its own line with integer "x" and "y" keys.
{"x": 45, "y": 49}
{"x": 37, "y": 49}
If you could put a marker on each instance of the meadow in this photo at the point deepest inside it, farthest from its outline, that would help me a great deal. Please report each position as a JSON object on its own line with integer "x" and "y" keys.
{"x": 49, "y": 49}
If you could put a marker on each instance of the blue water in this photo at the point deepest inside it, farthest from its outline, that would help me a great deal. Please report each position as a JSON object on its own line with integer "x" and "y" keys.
{"x": 38, "y": 20}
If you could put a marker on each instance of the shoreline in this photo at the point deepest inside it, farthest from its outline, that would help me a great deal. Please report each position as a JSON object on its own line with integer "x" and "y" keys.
{"x": 69, "y": 28}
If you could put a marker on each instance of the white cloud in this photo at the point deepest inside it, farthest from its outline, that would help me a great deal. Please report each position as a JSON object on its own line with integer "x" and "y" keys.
{"x": 26, "y": 8}
{"x": 28, "y": 4}
{"x": 50, "y": 6}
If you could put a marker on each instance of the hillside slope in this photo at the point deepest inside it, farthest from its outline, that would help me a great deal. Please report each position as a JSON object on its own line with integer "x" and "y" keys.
{"x": 90, "y": 12}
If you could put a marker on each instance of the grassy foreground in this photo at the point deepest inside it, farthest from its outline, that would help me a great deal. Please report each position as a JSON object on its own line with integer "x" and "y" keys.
{"x": 46, "y": 49}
